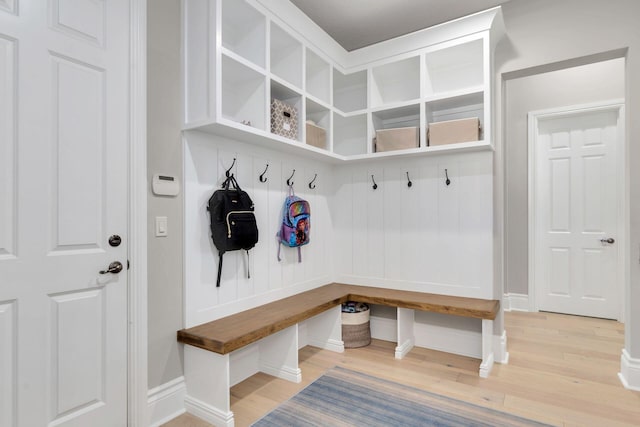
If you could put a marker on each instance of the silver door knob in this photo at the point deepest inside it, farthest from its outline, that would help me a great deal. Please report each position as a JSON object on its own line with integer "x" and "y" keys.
{"x": 115, "y": 267}
{"x": 608, "y": 240}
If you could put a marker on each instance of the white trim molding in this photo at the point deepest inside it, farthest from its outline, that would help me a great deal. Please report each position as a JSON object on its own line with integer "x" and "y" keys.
{"x": 137, "y": 411}
{"x": 515, "y": 302}
{"x": 166, "y": 401}
{"x": 629, "y": 371}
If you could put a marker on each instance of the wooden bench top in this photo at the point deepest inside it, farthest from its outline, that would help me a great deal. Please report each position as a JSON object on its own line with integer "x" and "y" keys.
{"x": 238, "y": 330}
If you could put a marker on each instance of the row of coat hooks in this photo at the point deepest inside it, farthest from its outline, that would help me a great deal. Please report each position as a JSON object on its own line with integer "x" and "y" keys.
{"x": 263, "y": 178}
{"x": 409, "y": 183}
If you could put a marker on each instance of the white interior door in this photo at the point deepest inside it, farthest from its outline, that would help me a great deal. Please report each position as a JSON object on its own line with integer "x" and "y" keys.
{"x": 576, "y": 212}
{"x": 63, "y": 192}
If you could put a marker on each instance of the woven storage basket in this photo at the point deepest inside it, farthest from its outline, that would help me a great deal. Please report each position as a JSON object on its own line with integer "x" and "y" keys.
{"x": 356, "y": 331}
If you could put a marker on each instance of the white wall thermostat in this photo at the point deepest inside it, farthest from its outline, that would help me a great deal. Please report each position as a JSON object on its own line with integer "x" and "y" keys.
{"x": 165, "y": 185}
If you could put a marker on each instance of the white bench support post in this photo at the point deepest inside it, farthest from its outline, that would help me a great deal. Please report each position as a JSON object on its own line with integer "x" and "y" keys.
{"x": 487, "y": 348}
{"x": 207, "y": 378}
{"x": 406, "y": 338}
{"x": 279, "y": 355}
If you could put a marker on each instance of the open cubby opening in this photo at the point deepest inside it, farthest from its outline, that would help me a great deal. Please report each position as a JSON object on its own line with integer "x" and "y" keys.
{"x": 244, "y": 31}
{"x": 243, "y": 94}
{"x": 294, "y": 100}
{"x": 350, "y": 134}
{"x": 455, "y": 68}
{"x": 395, "y": 82}
{"x": 350, "y": 91}
{"x": 320, "y": 117}
{"x": 286, "y": 56}
{"x": 318, "y": 72}
{"x": 455, "y": 108}
{"x": 391, "y": 120}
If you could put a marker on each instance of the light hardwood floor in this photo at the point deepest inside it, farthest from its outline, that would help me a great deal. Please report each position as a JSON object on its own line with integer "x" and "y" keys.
{"x": 562, "y": 370}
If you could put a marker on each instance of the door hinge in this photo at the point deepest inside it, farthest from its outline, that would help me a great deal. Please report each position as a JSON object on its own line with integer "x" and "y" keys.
{"x": 128, "y": 265}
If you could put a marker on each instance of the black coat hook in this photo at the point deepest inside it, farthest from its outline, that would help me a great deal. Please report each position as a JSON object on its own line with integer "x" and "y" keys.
{"x": 262, "y": 178}
{"x": 230, "y": 167}
{"x": 311, "y": 184}
{"x": 375, "y": 186}
{"x": 289, "y": 182}
{"x": 409, "y": 183}
{"x": 446, "y": 174}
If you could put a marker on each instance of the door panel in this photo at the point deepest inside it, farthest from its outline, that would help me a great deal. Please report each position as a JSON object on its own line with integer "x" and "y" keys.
{"x": 64, "y": 105}
{"x": 576, "y": 206}
{"x": 8, "y": 87}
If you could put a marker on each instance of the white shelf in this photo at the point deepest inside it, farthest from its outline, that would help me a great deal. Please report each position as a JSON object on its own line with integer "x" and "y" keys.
{"x": 286, "y": 56}
{"x": 350, "y": 91}
{"x": 244, "y": 95}
{"x": 395, "y": 82}
{"x": 350, "y": 135}
{"x": 455, "y": 68}
{"x": 318, "y": 73}
{"x": 244, "y": 31}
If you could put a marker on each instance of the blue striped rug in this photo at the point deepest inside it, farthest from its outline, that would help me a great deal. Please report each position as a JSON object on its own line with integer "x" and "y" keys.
{"x": 342, "y": 397}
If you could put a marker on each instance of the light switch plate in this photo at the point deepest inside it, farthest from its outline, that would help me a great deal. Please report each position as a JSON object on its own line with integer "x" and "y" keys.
{"x": 161, "y": 226}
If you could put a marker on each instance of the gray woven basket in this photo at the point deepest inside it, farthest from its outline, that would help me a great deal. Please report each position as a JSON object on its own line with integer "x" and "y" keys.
{"x": 356, "y": 335}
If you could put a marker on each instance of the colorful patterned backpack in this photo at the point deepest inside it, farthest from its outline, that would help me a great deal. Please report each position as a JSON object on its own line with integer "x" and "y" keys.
{"x": 294, "y": 231}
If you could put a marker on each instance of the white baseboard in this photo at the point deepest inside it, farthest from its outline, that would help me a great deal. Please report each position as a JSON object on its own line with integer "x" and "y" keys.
{"x": 166, "y": 401}
{"x": 331, "y": 344}
{"x": 629, "y": 371}
{"x": 403, "y": 349}
{"x": 500, "y": 348}
{"x": 515, "y": 302}
{"x": 208, "y": 412}
{"x": 285, "y": 372}
{"x": 486, "y": 366}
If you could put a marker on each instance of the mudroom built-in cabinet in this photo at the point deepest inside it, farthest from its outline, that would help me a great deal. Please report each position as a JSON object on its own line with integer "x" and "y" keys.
{"x": 415, "y": 218}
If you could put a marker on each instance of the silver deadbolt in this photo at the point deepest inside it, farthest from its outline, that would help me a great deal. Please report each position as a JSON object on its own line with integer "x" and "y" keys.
{"x": 609, "y": 240}
{"x": 115, "y": 267}
{"x": 115, "y": 240}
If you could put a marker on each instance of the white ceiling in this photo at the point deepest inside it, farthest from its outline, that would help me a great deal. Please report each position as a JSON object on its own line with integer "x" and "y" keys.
{"x": 358, "y": 23}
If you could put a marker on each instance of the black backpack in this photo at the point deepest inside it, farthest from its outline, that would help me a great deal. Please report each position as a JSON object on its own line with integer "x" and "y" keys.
{"x": 233, "y": 223}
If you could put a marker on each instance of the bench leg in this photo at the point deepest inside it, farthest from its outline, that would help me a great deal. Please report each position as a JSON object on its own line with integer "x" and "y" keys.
{"x": 487, "y": 348}
{"x": 207, "y": 379}
{"x": 406, "y": 338}
{"x": 279, "y": 355}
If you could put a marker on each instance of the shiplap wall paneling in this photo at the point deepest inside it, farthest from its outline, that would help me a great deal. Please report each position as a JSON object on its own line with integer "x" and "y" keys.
{"x": 207, "y": 158}
{"x": 429, "y": 237}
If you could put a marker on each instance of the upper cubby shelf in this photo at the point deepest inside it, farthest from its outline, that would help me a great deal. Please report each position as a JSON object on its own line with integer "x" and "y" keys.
{"x": 244, "y": 31}
{"x": 318, "y": 77}
{"x": 395, "y": 82}
{"x": 350, "y": 91}
{"x": 286, "y": 56}
{"x": 242, "y": 55}
{"x": 455, "y": 68}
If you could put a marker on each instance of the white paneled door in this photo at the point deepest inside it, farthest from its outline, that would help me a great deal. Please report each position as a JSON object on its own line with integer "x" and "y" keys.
{"x": 577, "y": 186}
{"x": 64, "y": 108}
